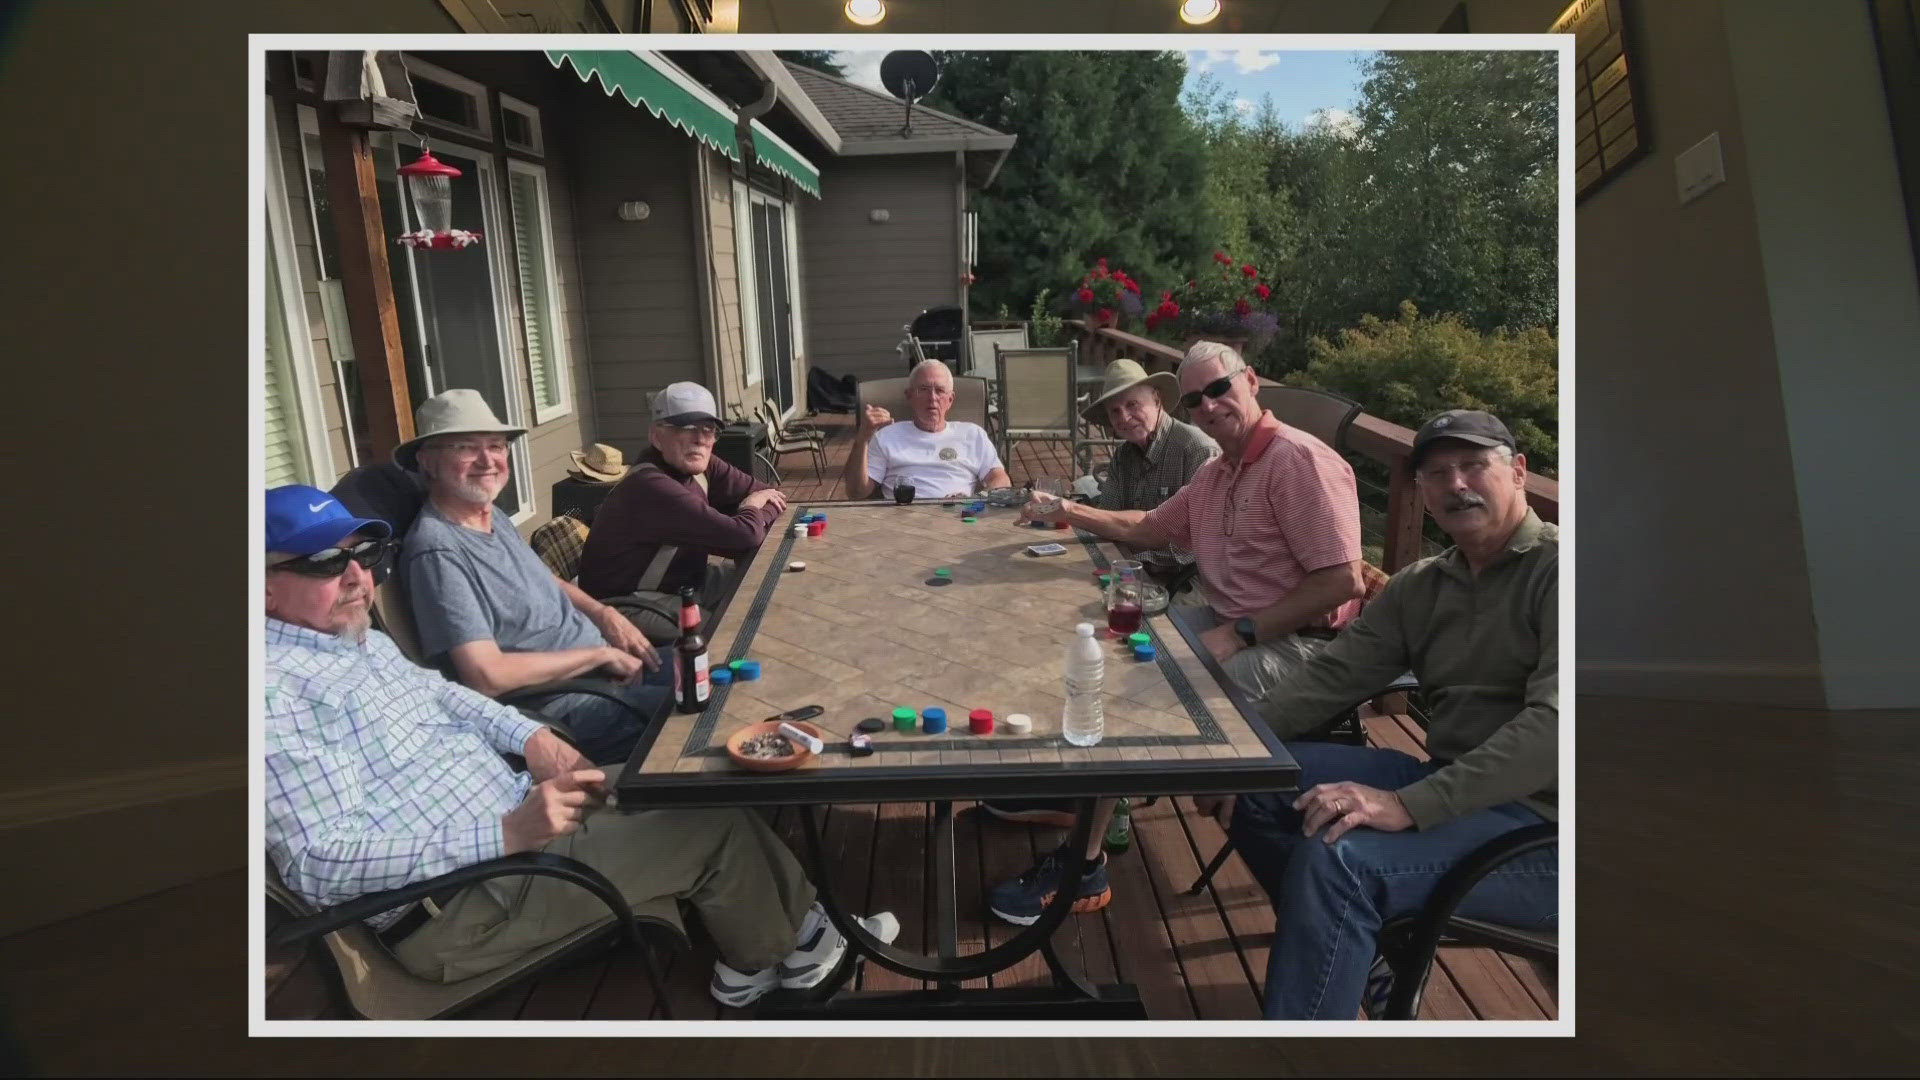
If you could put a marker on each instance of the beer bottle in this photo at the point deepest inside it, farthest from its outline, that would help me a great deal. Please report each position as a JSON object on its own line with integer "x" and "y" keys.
{"x": 690, "y": 659}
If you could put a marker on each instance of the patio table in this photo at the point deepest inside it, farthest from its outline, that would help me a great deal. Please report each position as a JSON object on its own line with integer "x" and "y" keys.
{"x": 863, "y": 630}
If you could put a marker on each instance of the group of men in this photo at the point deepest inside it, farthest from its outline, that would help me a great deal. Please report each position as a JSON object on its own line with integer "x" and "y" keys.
{"x": 381, "y": 773}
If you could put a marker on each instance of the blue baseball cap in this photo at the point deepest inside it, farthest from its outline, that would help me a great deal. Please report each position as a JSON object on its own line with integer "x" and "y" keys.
{"x": 302, "y": 520}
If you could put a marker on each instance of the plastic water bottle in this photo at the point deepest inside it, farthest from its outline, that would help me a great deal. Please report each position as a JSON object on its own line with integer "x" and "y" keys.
{"x": 1084, "y": 721}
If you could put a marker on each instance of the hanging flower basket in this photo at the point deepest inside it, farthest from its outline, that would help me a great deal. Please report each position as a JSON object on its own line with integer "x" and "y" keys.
{"x": 1105, "y": 296}
{"x": 450, "y": 239}
{"x": 1226, "y": 303}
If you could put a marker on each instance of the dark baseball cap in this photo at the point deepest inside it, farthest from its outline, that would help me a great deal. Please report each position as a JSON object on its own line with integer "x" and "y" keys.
{"x": 1467, "y": 425}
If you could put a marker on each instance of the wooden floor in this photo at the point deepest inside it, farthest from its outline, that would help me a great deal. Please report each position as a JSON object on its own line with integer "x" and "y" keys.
{"x": 1191, "y": 957}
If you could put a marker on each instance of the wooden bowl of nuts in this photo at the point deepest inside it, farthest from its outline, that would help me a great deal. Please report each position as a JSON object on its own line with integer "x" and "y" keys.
{"x": 762, "y": 748}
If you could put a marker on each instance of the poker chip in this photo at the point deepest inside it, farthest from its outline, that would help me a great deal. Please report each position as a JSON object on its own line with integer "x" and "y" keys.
{"x": 938, "y": 581}
{"x": 748, "y": 671}
{"x": 944, "y": 571}
{"x": 871, "y": 724}
{"x": 969, "y": 520}
{"x": 796, "y": 566}
{"x": 721, "y": 676}
{"x": 736, "y": 665}
{"x": 1143, "y": 652}
{"x": 1019, "y": 724}
{"x": 1140, "y": 637}
{"x": 980, "y": 721}
{"x": 859, "y": 745}
{"x": 934, "y": 721}
{"x": 904, "y": 719}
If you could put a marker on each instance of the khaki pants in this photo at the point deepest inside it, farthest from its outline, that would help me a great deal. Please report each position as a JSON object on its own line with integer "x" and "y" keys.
{"x": 1266, "y": 667}
{"x": 727, "y": 863}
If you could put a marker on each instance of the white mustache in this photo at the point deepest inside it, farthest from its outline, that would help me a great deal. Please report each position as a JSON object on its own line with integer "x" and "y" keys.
{"x": 1464, "y": 502}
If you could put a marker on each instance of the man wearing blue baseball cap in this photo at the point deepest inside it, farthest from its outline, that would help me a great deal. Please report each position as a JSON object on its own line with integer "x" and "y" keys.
{"x": 380, "y": 773}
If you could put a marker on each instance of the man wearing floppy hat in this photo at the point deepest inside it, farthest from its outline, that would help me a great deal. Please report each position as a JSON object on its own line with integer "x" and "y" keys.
{"x": 487, "y": 610}
{"x": 679, "y": 505}
{"x": 1161, "y": 454}
{"x": 1374, "y": 830}
{"x": 380, "y": 773}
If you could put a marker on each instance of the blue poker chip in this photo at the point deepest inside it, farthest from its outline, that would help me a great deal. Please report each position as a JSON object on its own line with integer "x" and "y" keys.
{"x": 721, "y": 676}
{"x": 749, "y": 671}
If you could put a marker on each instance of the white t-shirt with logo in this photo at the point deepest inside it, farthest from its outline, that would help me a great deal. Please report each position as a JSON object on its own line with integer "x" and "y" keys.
{"x": 956, "y": 458}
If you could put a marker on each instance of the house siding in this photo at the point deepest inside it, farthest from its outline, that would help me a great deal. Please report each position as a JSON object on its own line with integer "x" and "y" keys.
{"x": 863, "y": 281}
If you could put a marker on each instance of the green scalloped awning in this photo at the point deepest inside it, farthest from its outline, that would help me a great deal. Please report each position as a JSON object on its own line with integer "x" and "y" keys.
{"x": 649, "y": 82}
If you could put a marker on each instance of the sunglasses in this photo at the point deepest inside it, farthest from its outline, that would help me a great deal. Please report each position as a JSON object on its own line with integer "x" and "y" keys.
{"x": 1213, "y": 389}
{"x": 332, "y": 562}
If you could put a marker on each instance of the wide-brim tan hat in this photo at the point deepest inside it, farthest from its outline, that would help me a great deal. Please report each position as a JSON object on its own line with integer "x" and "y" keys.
{"x": 599, "y": 462}
{"x": 454, "y": 412}
{"x": 1124, "y": 375}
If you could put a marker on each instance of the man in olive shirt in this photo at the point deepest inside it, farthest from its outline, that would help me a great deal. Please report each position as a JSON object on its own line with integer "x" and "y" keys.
{"x": 1376, "y": 829}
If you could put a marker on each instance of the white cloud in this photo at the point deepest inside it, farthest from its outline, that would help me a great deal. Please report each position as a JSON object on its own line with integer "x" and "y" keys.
{"x": 1339, "y": 121}
{"x": 1255, "y": 60}
{"x": 1245, "y": 106}
{"x": 861, "y": 67}
{"x": 1244, "y": 60}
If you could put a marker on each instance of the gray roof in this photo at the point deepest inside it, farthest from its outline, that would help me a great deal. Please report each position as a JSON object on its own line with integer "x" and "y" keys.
{"x": 869, "y": 120}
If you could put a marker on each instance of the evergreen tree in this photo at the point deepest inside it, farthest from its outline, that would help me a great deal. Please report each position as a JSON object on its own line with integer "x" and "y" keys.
{"x": 817, "y": 59}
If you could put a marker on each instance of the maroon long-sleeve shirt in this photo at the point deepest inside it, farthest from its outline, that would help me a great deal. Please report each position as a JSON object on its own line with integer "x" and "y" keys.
{"x": 663, "y": 505}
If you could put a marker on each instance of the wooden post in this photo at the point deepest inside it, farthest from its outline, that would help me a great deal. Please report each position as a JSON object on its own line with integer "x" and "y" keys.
{"x": 1405, "y": 516}
{"x": 368, "y": 287}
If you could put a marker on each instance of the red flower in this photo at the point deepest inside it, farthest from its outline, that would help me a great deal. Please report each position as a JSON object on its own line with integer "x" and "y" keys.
{"x": 1100, "y": 262}
{"x": 1106, "y": 314}
{"x": 1153, "y": 320}
{"x": 1221, "y": 257}
{"x": 1133, "y": 287}
{"x": 1241, "y": 307}
{"x": 1086, "y": 296}
{"x": 1263, "y": 290}
{"x": 1249, "y": 270}
{"x": 1168, "y": 295}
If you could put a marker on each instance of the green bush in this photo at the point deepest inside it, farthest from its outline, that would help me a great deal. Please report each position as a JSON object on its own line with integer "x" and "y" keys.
{"x": 1413, "y": 367}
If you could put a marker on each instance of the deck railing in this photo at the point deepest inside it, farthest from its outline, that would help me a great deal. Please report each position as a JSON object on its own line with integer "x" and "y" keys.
{"x": 1369, "y": 437}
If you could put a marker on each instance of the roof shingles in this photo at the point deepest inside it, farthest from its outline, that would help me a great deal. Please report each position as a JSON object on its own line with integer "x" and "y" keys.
{"x": 859, "y": 114}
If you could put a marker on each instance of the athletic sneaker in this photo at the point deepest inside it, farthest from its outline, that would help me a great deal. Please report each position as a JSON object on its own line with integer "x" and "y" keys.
{"x": 820, "y": 954}
{"x": 1032, "y": 811}
{"x": 1021, "y": 900}
{"x": 808, "y": 965}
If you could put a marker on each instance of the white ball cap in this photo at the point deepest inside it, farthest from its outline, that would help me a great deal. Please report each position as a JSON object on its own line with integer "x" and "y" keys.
{"x": 684, "y": 403}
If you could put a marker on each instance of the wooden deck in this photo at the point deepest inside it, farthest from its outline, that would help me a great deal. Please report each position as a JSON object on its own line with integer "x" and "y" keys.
{"x": 1191, "y": 957}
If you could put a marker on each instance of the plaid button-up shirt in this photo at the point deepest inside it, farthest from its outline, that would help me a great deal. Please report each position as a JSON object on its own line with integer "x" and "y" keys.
{"x": 379, "y": 773}
{"x": 1143, "y": 479}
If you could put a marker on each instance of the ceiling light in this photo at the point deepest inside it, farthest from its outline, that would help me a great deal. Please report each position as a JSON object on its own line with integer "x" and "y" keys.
{"x": 865, "y": 12}
{"x": 1192, "y": 11}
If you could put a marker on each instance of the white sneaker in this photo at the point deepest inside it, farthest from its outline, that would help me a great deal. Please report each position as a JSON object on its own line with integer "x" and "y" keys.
{"x": 821, "y": 954}
{"x": 730, "y": 986}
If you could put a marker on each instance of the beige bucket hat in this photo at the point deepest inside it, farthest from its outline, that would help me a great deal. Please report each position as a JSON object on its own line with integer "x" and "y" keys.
{"x": 1123, "y": 375}
{"x": 454, "y": 412}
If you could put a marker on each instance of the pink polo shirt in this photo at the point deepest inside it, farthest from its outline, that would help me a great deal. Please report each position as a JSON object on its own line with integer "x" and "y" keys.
{"x": 1259, "y": 524}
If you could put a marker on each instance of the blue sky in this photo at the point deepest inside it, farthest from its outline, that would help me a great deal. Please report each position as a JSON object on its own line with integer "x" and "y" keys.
{"x": 1302, "y": 84}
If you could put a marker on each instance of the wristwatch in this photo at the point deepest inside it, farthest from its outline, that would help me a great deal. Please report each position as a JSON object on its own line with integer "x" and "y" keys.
{"x": 1244, "y": 627}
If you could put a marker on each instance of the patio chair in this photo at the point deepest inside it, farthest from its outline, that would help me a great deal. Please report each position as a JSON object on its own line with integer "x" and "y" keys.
{"x": 782, "y": 440}
{"x": 1039, "y": 397}
{"x": 376, "y": 987}
{"x": 982, "y": 343}
{"x": 1324, "y": 415}
{"x": 969, "y": 398}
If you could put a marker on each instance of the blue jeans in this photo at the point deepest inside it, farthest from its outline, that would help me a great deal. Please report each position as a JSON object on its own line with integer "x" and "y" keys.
{"x": 1330, "y": 900}
{"x": 606, "y": 731}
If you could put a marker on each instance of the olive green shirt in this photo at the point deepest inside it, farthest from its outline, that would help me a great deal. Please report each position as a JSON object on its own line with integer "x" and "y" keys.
{"x": 1486, "y": 651}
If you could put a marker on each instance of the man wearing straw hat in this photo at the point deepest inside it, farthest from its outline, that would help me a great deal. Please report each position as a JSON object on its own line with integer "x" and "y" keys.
{"x": 488, "y": 612}
{"x": 1160, "y": 453}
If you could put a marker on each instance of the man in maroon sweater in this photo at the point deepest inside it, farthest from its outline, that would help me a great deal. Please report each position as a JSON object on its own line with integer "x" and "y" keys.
{"x": 680, "y": 504}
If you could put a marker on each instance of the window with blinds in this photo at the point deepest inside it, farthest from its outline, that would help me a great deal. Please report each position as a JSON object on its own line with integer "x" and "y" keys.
{"x": 286, "y": 455}
{"x": 540, "y": 315}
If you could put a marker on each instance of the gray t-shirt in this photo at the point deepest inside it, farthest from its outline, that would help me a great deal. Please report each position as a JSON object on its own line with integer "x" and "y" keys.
{"x": 474, "y": 586}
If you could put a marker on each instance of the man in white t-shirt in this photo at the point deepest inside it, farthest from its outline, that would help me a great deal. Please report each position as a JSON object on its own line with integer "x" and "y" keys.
{"x": 940, "y": 459}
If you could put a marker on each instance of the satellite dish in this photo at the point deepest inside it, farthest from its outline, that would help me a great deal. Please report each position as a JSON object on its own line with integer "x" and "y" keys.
{"x": 909, "y": 75}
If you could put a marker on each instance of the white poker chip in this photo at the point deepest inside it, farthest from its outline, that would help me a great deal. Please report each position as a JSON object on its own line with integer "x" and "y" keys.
{"x": 796, "y": 566}
{"x": 1019, "y": 723}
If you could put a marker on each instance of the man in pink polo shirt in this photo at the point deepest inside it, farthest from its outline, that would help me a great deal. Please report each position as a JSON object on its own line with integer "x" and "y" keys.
{"x": 1273, "y": 524}
{"x": 1274, "y": 527}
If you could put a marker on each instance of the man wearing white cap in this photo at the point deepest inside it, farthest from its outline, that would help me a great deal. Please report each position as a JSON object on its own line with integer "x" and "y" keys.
{"x": 487, "y": 610}
{"x": 678, "y": 505}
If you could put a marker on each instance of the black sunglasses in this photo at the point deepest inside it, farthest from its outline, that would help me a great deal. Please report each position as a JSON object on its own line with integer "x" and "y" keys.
{"x": 1213, "y": 389}
{"x": 332, "y": 562}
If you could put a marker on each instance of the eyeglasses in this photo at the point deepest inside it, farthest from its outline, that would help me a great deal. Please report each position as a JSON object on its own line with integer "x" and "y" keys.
{"x": 698, "y": 430}
{"x": 469, "y": 448}
{"x": 332, "y": 562}
{"x": 1213, "y": 389}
